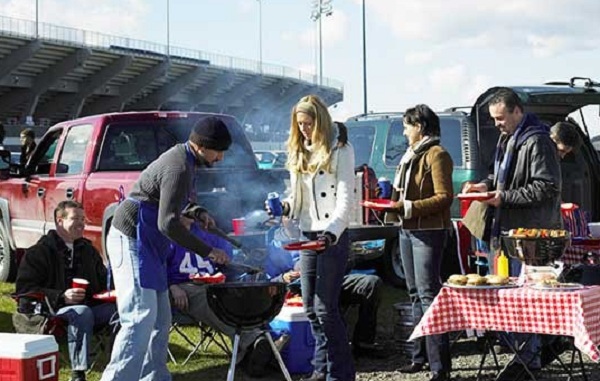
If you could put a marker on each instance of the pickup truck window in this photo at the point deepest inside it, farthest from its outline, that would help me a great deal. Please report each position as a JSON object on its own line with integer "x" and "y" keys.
{"x": 131, "y": 146}
{"x": 362, "y": 138}
{"x": 451, "y": 139}
{"x": 74, "y": 150}
{"x": 44, "y": 154}
{"x": 128, "y": 147}
{"x": 396, "y": 144}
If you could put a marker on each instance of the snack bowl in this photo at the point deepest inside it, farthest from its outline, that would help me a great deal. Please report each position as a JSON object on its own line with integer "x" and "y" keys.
{"x": 538, "y": 251}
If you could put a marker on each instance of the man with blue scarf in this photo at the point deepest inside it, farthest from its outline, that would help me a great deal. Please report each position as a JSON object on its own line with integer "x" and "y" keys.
{"x": 526, "y": 183}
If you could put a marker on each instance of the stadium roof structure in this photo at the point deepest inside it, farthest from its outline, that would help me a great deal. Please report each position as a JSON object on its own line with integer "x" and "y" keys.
{"x": 51, "y": 73}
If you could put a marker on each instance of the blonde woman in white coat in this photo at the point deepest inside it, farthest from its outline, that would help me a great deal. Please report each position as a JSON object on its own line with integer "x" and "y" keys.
{"x": 322, "y": 193}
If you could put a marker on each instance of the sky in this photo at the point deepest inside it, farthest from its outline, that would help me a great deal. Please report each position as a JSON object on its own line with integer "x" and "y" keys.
{"x": 439, "y": 52}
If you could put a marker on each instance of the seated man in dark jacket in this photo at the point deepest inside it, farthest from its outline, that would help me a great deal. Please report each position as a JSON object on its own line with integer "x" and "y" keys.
{"x": 50, "y": 266}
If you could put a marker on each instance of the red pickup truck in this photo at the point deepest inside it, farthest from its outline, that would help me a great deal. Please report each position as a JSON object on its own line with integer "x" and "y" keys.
{"x": 95, "y": 161}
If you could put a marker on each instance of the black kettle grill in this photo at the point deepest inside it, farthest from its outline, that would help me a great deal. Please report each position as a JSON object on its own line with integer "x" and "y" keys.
{"x": 245, "y": 306}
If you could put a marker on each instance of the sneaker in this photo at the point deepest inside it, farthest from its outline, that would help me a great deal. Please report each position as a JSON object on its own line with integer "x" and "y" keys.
{"x": 259, "y": 358}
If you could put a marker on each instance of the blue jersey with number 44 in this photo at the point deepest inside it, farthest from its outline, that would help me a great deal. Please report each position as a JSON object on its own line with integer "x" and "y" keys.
{"x": 181, "y": 263}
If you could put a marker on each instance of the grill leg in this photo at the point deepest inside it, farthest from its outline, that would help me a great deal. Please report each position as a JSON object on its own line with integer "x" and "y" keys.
{"x": 236, "y": 344}
{"x": 277, "y": 355}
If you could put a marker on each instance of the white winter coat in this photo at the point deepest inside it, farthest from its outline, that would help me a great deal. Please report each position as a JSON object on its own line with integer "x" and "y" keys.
{"x": 332, "y": 193}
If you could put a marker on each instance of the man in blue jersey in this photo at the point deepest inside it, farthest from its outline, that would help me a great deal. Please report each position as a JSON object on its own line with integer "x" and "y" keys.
{"x": 190, "y": 298}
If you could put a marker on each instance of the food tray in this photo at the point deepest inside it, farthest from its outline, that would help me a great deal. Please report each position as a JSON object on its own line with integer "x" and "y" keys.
{"x": 482, "y": 287}
{"x": 557, "y": 287}
{"x": 208, "y": 279}
{"x": 304, "y": 245}
{"x": 475, "y": 196}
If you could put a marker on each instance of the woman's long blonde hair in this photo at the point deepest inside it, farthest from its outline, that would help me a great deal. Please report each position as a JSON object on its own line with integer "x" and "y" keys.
{"x": 321, "y": 139}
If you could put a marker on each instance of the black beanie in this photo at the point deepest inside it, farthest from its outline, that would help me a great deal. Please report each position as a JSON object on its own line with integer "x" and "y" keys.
{"x": 212, "y": 133}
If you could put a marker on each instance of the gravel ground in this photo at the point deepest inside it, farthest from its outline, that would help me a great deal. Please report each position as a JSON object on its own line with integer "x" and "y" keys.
{"x": 466, "y": 352}
{"x": 466, "y": 355}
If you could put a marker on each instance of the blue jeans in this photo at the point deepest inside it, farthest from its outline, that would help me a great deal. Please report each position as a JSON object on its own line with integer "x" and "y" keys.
{"x": 140, "y": 348}
{"x": 81, "y": 321}
{"x": 421, "y": 252}
{"x": 321, "y": 277}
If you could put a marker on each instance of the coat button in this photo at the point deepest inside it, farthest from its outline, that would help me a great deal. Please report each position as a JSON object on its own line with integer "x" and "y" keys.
{"x": 326, "y": 215}
{"x": 321, "y": 172}
{"x": 323, "y": 194}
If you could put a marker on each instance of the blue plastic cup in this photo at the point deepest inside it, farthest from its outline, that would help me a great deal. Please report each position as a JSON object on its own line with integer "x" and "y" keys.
{"x": 275, "y": 204}
{"x": 386, "y": 188}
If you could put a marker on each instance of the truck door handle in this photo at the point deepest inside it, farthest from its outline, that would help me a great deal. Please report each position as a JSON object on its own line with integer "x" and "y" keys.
{"x": 69, "y": 193}
{"x": 41, "y": 192}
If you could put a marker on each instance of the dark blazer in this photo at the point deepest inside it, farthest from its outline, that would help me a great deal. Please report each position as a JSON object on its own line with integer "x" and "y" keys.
{"x": 42, "y": 269}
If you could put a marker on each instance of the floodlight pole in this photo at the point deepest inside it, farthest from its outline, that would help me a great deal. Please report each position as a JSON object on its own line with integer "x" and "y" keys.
{"x": 260, "y": 42}
{"x": 37, "y": 19}
{"x": 168, "y": 29}
{"x": 320, "y": 8}
{"x": 364, "y": 38}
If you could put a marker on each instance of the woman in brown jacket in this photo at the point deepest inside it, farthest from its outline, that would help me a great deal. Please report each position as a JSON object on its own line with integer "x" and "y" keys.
{"x": 422, "y": 191}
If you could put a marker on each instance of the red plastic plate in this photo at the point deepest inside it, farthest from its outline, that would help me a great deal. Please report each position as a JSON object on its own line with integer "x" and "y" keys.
{"x": 206, "y": 278}
{"x": 106, "y": 296}
{"x": 378, "y": 203}
{"x": 475, "y": 196}
{"x": 304, "y": 245}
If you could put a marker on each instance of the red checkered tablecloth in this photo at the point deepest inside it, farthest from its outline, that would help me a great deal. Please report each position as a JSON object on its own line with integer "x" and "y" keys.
{"x": 523, "y": 309}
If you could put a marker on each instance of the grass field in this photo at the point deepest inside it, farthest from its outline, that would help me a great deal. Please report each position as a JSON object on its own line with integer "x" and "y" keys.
{"x": 209, "y": 365}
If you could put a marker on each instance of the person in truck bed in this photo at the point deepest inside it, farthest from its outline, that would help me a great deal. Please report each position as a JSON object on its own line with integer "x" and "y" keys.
{"x": 138, "y": 242}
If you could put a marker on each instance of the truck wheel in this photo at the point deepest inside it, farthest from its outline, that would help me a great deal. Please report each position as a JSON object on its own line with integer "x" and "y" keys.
{"x": 8, "y": 267}
{"x": 392, "y": 264}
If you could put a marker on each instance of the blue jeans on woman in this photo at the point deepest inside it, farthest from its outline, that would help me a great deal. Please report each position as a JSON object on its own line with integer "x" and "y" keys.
{"x": 81, "y": 321}
{"x": 421, "y": 252}
{"x": 322, "y": 274}
{"x": 140, "y": 348}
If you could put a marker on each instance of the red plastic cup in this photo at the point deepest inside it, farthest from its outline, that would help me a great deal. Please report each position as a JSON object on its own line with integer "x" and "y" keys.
{"x": 80, "y": 283}
{"x": 239, "y": 226}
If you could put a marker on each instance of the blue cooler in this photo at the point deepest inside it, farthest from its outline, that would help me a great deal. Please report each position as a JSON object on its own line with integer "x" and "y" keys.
{"x": 299, "y": 351}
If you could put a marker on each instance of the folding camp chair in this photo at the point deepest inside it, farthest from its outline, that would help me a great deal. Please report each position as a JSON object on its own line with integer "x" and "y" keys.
{"x": 35, "y": 315}
{"x": 203, "y": 337}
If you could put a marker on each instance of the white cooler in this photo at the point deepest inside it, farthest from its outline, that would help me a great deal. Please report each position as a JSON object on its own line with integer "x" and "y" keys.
{"x": 28, "y": 357}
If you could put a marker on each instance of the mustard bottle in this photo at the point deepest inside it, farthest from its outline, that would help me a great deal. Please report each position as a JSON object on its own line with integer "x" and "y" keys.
{"x": 502, "y": 264}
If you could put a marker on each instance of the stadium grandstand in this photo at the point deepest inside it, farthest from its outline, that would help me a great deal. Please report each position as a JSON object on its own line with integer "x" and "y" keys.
{"x": 50, "y": 73}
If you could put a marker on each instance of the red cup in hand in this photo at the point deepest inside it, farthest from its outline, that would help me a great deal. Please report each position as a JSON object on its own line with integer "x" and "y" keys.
{"x": 80, "y": 283}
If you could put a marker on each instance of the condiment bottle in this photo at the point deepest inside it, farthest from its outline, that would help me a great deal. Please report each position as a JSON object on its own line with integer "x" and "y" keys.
{"x": 502, "y": 264}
